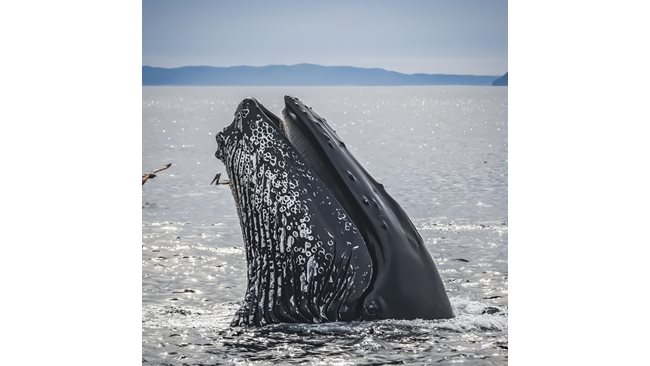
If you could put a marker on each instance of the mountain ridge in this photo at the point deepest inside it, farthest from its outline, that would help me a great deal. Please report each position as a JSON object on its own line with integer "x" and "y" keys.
{"x": 300, "y": 74}
{"x": 502, "y": 81}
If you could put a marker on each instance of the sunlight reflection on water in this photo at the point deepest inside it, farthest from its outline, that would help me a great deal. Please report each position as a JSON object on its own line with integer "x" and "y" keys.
{"x": 441, "y": 152}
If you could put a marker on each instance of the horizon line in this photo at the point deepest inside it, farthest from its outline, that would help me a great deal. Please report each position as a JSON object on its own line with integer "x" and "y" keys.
{"x": 312, "y": 64}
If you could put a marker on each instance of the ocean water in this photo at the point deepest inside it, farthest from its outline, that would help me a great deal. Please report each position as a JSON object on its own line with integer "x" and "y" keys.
{"x": 440, "y": 151}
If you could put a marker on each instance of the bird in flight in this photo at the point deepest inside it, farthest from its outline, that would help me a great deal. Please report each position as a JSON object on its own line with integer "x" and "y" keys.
{"x": 147, "y": 176}
{"x": 216, "y": 181}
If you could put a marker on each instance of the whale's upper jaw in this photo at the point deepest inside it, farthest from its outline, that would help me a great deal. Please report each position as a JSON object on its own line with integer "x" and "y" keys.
{"x": 299, "y": 113}
{"x": 397, "y": 251}
{"x": 317, "y": 142}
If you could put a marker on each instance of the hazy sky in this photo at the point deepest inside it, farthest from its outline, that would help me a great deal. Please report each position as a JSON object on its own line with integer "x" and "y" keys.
{"x": 445, "y": 36}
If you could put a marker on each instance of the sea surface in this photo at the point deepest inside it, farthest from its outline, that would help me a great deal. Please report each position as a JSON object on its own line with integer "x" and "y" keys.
{"x": 440, "y": 151}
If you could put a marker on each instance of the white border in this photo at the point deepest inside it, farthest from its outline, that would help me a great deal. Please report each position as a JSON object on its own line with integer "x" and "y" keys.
{"x": 578, "y": 189}
{"x": 71, "y": 148}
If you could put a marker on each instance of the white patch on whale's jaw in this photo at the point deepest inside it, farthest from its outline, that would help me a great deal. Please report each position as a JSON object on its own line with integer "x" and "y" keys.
{"x": 293, "y": 266}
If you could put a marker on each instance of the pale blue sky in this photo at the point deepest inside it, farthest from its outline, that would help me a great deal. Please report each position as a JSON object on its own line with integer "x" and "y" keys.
{"x": 445, "y": 36}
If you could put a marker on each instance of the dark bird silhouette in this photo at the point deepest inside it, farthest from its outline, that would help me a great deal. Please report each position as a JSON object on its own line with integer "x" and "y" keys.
{"x": 216, "y": 181}
{"x": 147, "y": 176}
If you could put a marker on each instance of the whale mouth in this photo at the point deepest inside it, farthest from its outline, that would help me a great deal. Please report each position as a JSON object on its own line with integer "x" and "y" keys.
{"x": 272, "y": 118}
{"x": 401, "y": 281}
{"x": 302, "y": 136}
{"x": 311, "y": 136}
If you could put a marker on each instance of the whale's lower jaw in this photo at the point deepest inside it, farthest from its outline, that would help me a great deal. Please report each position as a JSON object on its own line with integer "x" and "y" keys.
{"x": 324, "y": 241}
{"x": 307, "y": 261}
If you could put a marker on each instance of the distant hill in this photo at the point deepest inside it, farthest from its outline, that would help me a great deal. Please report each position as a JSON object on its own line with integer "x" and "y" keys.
{"x": 502, "y": 81}
{"x": 301, "y": 74}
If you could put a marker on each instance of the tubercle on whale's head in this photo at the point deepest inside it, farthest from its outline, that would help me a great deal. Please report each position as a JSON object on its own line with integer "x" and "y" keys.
{"x": 296, "y": 113}
{"x": 297, "y": 107}
{"x": 294, "y": 107}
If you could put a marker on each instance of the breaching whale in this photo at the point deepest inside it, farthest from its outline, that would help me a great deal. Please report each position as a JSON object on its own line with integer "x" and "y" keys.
{"x": 324, "y": 241}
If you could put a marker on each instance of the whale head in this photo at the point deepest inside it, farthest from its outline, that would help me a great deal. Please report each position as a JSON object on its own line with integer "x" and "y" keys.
{"x": 373, "y": 262}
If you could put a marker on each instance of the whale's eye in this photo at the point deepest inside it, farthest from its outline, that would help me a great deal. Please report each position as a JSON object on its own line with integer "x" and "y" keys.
{"x": 372, "y": 308}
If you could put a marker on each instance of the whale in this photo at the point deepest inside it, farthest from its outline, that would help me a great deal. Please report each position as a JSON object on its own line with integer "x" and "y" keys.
{"x": 406, "y": 283}
{"x": 307, "y": 262}
{"x": 324, "y": 241}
